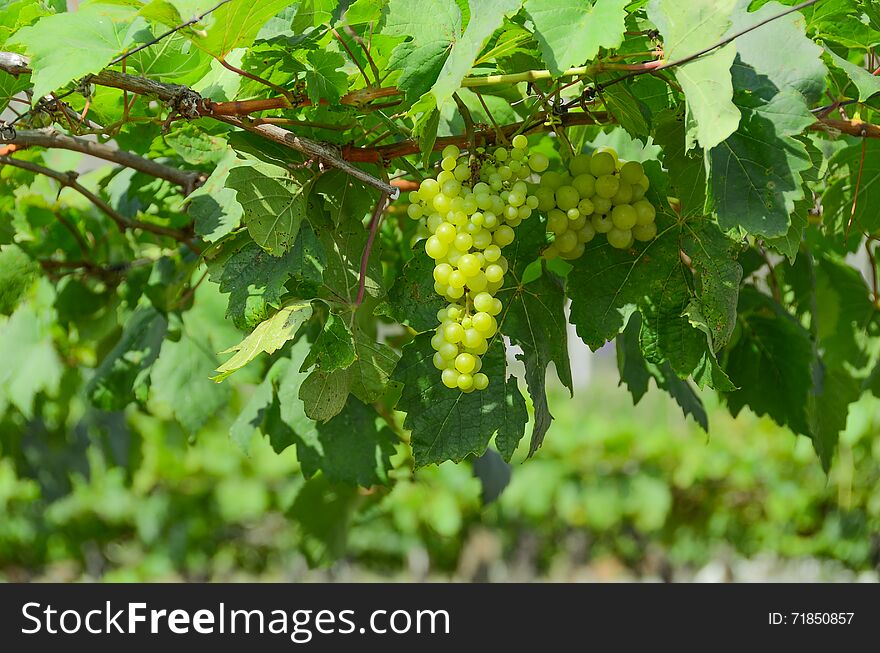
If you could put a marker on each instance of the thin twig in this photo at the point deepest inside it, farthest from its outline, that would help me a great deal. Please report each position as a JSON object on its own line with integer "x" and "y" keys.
{"x": 351, "y": 56}
{"x": 852, "y": 215}
{"x": 498, "y": 133}
{"x": 366, "y": 48}
{"x": 771, "y": 276}
{"x": 873, "y": 260}
{"x": 69, "y": 180}
{"x": 191, "y": 21}
{"x": 365, "y": 257}
{"x": 265, "y": 82}
{"x": 467, "y": 118}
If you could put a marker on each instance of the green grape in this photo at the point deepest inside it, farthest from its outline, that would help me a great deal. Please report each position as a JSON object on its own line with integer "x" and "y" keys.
{"x": 465, "y": 382}
{"x": 445, "y": 233}
{"x": 448, "y": 350}
{"x": 439, "y": 362}
{"x": 492, "y": 253}
{"x": 481, "y": 381}
{"x": 623, "y": 217}
{"x": 573, "y": 214}
{"x": 585, "y": 185}
{"x": 472, "y": 338}
{"x": 550, "y": 252}
{"x": 578, "y": 222}
{"x": 465, "y": 363}
{"x": 538, "y": 162}
{"x": 586, "y": 207}
{"x": 638, "y": 192}
{"x": 576, "y": 252}
{"x": 602, "y": 163}
{"x": 557, "y": 222}
{"x": 453, "y": 312}
{"x": 435, "y": 248}
{"x": 484, "y": 323}
{"x": 428, "y": 189}
{"x": 450, "y": 150}
{"x": 601, "y": 204}
{"x": 453, "y": 332}
{"x": 645, "y": 232}
{"x": 496, "y": 307}
{"x": 619, "y": 238}
{"x": 500, "y": 154}
{"x": 546, "y": 198}
{"x": 601, "y": 223}
{"x": 478, "y": 282}
{"x": 483, "y": 302}
{"x": 449, "y": 378}
{"x": 463, "y": 242}
{"x": 609, "y": 150}
{"x": 586, "y": 233}
{"x": 415, "y": 211}
{"x": 623, "y": 194}
{"x": 631, "y": 172}
{"x": 645, "y": 212}
{"x": 579, "y": 165}
{"x": 494, "y": 273}
{"x": 503, "y": 236}
{"x": 552, "y": 180}
{"x": 442, "y": 272}
{"x": 520, "y": 141}
{"x": 469, "y": 265}
{"x": 567, "y": 197}
{"x": 607, "y": 186}
{"x": 457, "y": 279}
{"x": 448, "y": 163}
{"x": 566, "y": 242}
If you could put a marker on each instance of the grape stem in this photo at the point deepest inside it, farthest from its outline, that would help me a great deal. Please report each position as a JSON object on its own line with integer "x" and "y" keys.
{"x": 375, "y": 220}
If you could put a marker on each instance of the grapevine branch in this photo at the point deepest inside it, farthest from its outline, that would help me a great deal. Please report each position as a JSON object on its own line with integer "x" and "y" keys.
{"x": 375, "y": 220}
{"x": 68, "y": 180}
{"x": 50, "y": 138}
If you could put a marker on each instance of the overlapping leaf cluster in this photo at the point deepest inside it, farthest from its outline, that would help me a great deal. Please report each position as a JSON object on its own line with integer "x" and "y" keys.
{"x": 251, "y": 289}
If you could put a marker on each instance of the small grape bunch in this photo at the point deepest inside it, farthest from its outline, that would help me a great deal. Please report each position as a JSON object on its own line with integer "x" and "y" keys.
{"x": 469, "y": 212}
{"x": 597, "y": 194}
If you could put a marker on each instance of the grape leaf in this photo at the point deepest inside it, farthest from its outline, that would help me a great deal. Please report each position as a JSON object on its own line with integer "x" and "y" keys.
{"x": 465, "y": 48}
{"x": 866, "y": 83}
{"x": 180, "y": 380}
{"x": 333, "y": 349}
{"x": 196, "y": 147}
{"x": 837, "y": 201}
{"x": 343, "y": 246}
{"x": 771, "y": 351}
{"x": 17, "y": 274}
{"x": 433, "y": 26}
{"x": 352, "y": 447}
{"x": 834, "y": 389}
{"x": 10, "y": 86}
{"x": 324, "y": 80}
{"x": 629, "y": 112}
{"x": 689, "y": 27}
{"x": 31, "y": 364}
{"x": 237, "y": 23}
{"x": 256, "y": 412}
{"x": 123, "y": 373}
{"x": 451, "y": 425}
{"x": 256, "y": 281}
{"x": 412, "y": 299}
{"x": 269, "y": 336}
{"x": 214, "y": 207}
{"x": 273, "y": 203}
{"x": 842, "y": 312}
{"x": 325, "y": 391}
{"x": 91, "y": 36}
{"x": 534, "y": 319}
{"x": 636, "y": 373}
{"x": 687, "y": 172}
{"x": 599, "y": 24}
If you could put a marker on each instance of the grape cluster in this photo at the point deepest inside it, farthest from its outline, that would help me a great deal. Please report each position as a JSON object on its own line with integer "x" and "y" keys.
{"x": 470, "y": 210}
{"x": 597, "y": 194}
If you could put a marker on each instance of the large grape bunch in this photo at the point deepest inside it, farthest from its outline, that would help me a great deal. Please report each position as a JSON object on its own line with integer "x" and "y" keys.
{"x": 470, "y": 210}
{"x": 597, "y": 194}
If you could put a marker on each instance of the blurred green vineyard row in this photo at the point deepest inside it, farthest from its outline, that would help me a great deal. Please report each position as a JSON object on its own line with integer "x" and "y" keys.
{"x": 129, "y": 498}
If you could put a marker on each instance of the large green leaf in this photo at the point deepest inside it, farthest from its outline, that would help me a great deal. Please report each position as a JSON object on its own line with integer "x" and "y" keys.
{"x": 17, "y": 274}
{"x": 771, "y": 351}
{"x": 433, "y": 26}
{"x": 214, "y": 207}
{"x": 65, "y": 47}
{"x": 124, "y": 373}
{"x": 412, "y": 299}
{"x": 571, "y": 32}
{"x": 237, "y": 23}
{"x": 273, "y": 202}
{"x": 866, "y": 83}
{"x": 268, "y": 337}
{"x": 257, "y": 281}
{"x": 451, "y": 425}
{"x": 465, "y": 48}
{"x": 534, "y": 318}
{"x": 687, "y": 28}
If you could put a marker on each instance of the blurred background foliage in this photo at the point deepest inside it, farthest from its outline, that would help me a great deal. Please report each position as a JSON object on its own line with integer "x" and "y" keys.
{"x": 617, "y": 492}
